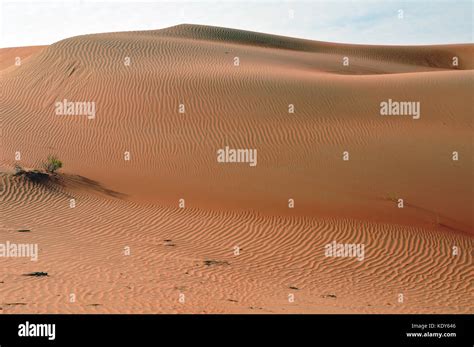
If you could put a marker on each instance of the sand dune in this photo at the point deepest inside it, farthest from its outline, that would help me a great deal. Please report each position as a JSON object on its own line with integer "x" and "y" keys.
{"x": 135, "y": 203}
{"x": 15, "y": 56}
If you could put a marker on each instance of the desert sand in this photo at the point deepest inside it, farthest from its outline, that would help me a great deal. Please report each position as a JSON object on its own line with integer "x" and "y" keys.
{"x": 184, "y": 260}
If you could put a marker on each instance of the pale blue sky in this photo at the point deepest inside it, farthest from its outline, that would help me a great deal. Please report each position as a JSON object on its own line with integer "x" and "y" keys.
{"x": 26, "y": 23}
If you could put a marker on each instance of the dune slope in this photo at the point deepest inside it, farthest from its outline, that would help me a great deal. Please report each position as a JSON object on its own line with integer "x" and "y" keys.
{"x": 140, "y": 81}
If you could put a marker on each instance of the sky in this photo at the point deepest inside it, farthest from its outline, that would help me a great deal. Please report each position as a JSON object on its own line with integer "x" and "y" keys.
{"x": 412, "y": 22}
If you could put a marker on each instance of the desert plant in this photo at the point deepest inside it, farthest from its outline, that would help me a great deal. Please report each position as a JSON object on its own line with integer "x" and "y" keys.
{"x": 18, "y": 170}
{"x": 52, "y": 164}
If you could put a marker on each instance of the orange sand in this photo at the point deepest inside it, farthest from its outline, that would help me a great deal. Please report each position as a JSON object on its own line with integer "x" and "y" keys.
{"x": 173, "y": 156}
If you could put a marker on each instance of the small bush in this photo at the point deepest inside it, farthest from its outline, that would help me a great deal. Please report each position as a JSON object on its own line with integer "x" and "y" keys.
{"x": 52, "y": 164}
{"x": 18, "y": 170}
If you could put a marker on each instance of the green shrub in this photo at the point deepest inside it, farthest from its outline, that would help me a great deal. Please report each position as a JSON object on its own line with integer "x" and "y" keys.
{"x": 52, "y": 164}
